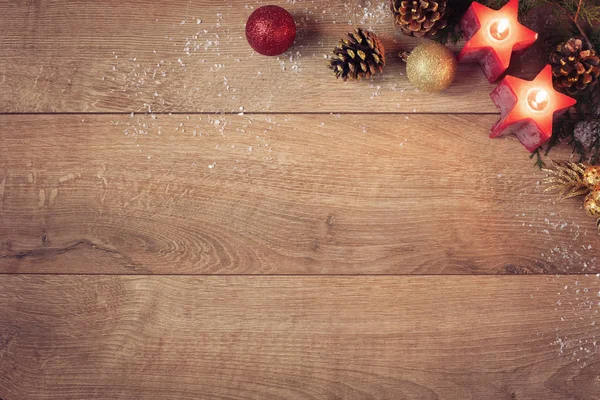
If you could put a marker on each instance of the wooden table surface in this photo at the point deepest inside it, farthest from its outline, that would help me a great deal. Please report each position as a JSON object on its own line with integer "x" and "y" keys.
{"x": 182, "y": 218}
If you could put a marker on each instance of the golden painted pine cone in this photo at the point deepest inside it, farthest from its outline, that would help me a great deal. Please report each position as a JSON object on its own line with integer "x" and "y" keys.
{"x": 359, "y": 56}
{"x": 574, "y": 66}
{"x": 591, "y": 204}
{"x": 591, "y": 177}
{"x": 420, "y": 17}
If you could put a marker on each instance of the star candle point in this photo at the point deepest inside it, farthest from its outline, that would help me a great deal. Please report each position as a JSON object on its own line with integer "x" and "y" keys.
{"x": 528, "y": 107}
{"x": 493, "y": 35}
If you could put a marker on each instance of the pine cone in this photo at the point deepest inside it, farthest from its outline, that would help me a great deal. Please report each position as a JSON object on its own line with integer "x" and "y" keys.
{"x": 587, "y": 133}
{"x": 574, "y": 66}
{"x": 420, "y": 17}
{"x": 359, "y": 56}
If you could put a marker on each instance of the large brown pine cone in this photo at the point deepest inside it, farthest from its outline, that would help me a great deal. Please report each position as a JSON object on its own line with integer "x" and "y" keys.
{"x": 575, "y": 65}
{"x": 420, "y": 17}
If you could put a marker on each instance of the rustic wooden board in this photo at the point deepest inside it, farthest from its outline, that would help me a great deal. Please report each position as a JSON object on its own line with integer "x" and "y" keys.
{"x": 316, "y": 185}
{"x": 279, "y": 194}
{"x": 82, "y": 56}
{"x": 299, "y": 338}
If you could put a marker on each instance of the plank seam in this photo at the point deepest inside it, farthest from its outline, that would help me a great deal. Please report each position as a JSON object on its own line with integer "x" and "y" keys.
{"x": 237, "y": 113}
{"x": 299, "y": 275}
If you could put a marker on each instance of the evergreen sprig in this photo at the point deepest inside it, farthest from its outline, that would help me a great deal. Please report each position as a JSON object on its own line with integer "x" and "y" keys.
{"x": 454, "y": 13}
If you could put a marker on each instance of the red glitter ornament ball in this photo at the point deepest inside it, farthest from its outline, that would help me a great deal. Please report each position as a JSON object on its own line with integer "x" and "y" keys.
{"x": 270, "y": 30}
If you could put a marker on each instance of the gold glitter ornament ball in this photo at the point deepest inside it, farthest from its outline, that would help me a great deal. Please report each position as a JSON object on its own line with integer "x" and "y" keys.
{"x": 431, "y": 67}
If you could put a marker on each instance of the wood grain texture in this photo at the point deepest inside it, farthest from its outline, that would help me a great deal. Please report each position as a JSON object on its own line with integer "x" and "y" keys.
{"x": 299, "y": 338}
{"x": 82, "y": 56}
{"x": 279, "y": 194}
{"x": 318, "y": 185}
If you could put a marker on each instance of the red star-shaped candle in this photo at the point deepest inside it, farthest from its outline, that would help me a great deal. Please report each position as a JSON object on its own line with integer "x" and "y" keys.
{"x": 492, "y": 36}
{"x": 527, "y": 108}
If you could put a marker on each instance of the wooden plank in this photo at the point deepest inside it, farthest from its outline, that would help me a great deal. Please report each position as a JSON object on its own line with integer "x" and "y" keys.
{"x": 82, "y": 56}
{"x": 299, "y": 338}
{"x": 279, "y": 194}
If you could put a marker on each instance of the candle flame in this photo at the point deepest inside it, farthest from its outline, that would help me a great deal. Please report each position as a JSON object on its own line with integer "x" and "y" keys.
{"x": 499, "y": 30}
{"x": 503, "y": 25}
{"x": 537, "y": 99}
{"x": 541, "y": 96}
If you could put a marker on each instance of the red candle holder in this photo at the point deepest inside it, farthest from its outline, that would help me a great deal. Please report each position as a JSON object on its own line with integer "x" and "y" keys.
{"x": 492, "y": 36}
{"x": 527, "y": 108}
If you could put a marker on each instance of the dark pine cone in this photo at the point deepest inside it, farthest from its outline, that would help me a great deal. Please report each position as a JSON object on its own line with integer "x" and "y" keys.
{"x": 574, "y": 66}
{"x": 419, "y": 17}
{"x": 587, "y": 133}
{"x": 359, "y": 56}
